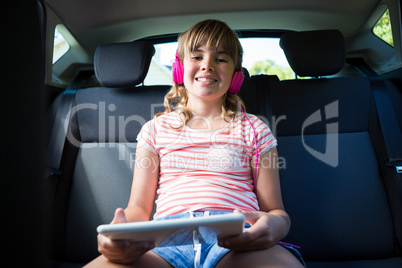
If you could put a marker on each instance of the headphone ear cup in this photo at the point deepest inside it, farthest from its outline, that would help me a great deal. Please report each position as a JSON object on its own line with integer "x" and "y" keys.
{"x": 178, "y": 71}
{"x": 237, "y": 81}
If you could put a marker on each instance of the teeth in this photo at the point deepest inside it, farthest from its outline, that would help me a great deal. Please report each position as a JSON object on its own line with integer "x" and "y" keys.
{"x": 202, "y": 79}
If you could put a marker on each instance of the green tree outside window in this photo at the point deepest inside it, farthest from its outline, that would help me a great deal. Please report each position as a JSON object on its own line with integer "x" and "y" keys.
{"x": 383, "y": 29}
{"x": 270, "y": 67}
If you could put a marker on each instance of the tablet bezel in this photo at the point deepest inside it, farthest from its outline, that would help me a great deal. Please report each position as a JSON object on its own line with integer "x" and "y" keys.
{"x": 156, "y": 231}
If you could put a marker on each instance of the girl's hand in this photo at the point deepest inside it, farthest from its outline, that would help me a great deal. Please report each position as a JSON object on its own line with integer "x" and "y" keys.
{"x": 265, "y": 231}
{"x": 122, "y": 251}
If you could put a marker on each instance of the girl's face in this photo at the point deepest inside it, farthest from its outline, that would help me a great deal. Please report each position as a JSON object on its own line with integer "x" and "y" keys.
{"x": 207, "y": 73}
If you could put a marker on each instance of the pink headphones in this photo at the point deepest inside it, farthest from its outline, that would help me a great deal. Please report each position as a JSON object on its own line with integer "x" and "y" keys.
{"x": 178, "y": 74}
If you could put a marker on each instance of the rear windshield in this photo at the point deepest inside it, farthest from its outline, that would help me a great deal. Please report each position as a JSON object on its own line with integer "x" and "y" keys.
{"x": 261, "y": 56}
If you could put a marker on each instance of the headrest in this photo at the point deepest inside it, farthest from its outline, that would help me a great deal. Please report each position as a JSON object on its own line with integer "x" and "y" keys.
{"x": 123, "y": 64}
{"x": 314, "y": 53}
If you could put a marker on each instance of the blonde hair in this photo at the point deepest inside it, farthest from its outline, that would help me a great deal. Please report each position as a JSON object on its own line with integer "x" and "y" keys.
{"x": 211, "y": 33}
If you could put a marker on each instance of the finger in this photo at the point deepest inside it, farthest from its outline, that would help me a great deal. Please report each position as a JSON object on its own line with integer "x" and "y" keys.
{"x": 112, "y": 249}
{"x": 247, "y": 242}
{"x": 130, "y": 249}
{"x": 251, "y": 216}
{"x": 131, "y": 253}
{"x": 140, "y": 247}
{"x": 256, "y": 234}
{"x": 117, "y": 244}
{"x": 242, "y": 239}
{"x": 107, "y": 243}
{"x": 127, "y": 254}
{"x": 119, "y": 216}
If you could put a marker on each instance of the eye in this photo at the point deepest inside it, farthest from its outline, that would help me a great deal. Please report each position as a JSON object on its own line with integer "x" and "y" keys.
{"x": 196, "y": 56}
{"x": 221, "y": 60}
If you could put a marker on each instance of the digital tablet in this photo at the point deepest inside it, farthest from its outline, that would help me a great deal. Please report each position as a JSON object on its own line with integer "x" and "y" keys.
{"x": 161, "y": 232}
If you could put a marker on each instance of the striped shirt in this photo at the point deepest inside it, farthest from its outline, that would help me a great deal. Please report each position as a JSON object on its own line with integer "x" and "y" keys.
{"x": 205, "y": 170}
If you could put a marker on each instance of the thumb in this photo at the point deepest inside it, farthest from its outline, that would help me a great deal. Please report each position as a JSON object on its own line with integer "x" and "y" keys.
{"x": 251, "y": 216}
{"x": 119, "y": 216}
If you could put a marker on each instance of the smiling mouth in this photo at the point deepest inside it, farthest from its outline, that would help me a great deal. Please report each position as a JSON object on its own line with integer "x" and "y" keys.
{"x": 203, "y": 79}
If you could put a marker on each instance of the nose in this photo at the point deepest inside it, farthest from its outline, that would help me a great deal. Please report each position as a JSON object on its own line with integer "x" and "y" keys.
{"x": 207, "y": 64}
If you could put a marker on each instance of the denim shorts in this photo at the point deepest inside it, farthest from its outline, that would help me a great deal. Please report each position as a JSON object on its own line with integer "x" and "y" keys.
{"x": 200, "y": 247}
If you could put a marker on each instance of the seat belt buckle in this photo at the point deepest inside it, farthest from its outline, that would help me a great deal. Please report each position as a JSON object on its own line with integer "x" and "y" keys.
{"x": 396, "y": 164}
{"x": 53, "y": 172}
{"x": 399, "y": 169}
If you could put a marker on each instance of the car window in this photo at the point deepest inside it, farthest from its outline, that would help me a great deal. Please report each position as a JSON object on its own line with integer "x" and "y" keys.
{"x": 261, "y": 56}
{"x": 265, "y": 56}
{"x": 60, "y": 45}
{"x": 383, "y": 30}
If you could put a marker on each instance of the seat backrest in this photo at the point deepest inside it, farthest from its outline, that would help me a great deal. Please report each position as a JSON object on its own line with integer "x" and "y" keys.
{"x": 330, "y": 152}
{"x": 102, "y": 141}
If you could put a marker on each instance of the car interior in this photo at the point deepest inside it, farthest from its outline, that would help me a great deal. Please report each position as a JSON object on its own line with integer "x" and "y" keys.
{"x": 337, "y": 119}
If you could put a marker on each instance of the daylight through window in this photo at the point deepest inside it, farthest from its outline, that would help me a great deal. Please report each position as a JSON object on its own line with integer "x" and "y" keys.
{"x": 261, "y": 56}
{"x": 60, "y": 46}
{"x": 383, "y": 30}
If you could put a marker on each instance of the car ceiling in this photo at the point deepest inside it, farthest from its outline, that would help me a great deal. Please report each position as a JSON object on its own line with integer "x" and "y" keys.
{"x": 93, "y": 22}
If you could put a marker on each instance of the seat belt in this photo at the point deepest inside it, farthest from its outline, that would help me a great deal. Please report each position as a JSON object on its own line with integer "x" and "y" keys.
{"x": 393, "y": 146}
{"x": 360, "y": 65}
{"x": 59, "y": 128}
{"x": 386, "y": 115}
{"x": 56, "y": 192}
{"x": 393, "y": 143}
{"x": 389, "y": 124}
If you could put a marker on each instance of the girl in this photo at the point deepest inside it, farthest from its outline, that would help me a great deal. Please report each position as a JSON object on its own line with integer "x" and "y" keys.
{"x": 200, "y": 153}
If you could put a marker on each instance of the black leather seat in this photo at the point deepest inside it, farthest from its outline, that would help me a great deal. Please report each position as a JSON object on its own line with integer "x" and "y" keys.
{"x": 334, "y": 182}
{"x": 98, "y": 160}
